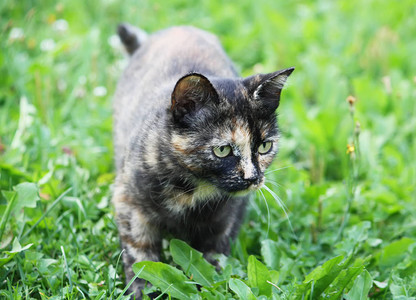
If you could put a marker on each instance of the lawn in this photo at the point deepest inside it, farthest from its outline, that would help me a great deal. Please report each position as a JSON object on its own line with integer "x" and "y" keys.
{"x": 338, "y": 217}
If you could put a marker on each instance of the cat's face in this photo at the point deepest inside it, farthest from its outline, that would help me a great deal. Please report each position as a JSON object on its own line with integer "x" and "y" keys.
{"x": 225, "y": 131}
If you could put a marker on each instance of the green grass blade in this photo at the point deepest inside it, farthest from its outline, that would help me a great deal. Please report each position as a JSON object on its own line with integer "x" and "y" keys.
{"x": 68, "y": 272}
{"x": 46, "y": 212}
{"x": 130, "y": 283}
{"x": 6, "y": 215}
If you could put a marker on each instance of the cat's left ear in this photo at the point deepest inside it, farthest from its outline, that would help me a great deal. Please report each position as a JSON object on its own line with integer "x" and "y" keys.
{"x": 266, "y": 88}
{"x": 191, "y": 93}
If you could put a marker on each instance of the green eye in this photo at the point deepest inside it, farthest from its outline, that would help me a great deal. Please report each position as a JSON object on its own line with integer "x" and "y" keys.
{"x": 222, "y": 151}
{"x": 265, "y": 147}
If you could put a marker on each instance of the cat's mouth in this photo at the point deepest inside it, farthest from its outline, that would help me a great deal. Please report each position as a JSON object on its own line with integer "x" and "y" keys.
{"x": 250, "y": 188}
{"x": 256, "y": 186}
{"x": 240, "y": 188}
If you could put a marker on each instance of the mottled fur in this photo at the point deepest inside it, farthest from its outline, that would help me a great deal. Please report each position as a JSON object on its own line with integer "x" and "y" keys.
{"x": 179, "y": 97}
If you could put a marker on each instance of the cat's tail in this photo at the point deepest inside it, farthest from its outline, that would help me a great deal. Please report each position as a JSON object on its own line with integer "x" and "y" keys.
{"x": 132, "y": 37}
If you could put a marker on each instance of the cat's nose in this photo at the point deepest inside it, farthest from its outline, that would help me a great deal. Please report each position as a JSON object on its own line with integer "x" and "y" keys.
{"x": 253, "y": 179}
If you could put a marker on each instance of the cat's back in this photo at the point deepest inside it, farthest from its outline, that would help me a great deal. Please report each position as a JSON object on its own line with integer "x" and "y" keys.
{"x": 169, "y": 54}
{"x": 144, "y": 91}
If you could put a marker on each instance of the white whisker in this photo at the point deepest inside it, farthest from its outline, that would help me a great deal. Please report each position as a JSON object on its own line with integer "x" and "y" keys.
{"x": 279, "y": 201}
{"x": 275, "y": 170}
{"x": 274, "y": 183}
{"x": 268, "y": 212}
{"x": 277, "y": 185}
{"x": 256, "y": 206}
{"x": 282, "y": 205}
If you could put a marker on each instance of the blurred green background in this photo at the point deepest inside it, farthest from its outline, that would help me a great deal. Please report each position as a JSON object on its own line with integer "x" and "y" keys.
{"x": 59, "y": 64}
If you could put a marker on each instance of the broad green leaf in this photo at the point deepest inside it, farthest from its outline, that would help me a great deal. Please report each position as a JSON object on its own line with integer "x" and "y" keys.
{"x": 345, "y": 279}
{"x": 16, "y": 248}
{"x": 361, "y": 287}
{"x": 321, "y": 277}
{"x": 27, "y": 195}
{"x": 44, "y": 264}
{"x": 394, "y": 252}
{"x": 6, "y": 259}
{"x": 359, "y": 232}
{"x": 13, "y": 172}
{"x": 192, "y": 262}
{"x": 326, "y": 269}
{"x": 258, "y": 275}
{"x": 274, "y": 275}
{"x": 398, "y": 291}
{"x": 380, "y": 285}
{"x": 212, "y": 294}
{"x": 241, "y": 289}
{"x": 230, "y": 266}
{"x": 271, "y": 254}
{"x": 166, "y": 278}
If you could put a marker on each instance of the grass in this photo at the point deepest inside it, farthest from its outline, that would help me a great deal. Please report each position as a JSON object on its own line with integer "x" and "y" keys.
{"x": 59, "y": 64}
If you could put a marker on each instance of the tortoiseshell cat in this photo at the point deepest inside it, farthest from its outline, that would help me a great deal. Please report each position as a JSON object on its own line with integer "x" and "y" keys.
{"x": 192, "y": 139}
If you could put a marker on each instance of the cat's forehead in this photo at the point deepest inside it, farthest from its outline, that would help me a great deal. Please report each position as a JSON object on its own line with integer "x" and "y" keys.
{"x": 238, "y": 129}
{"x": 232, "y": 91}
{"x": 239, "y": 116}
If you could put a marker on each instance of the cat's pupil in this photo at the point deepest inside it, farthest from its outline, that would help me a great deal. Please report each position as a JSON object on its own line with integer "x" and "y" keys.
{"x": 222, "y": 148}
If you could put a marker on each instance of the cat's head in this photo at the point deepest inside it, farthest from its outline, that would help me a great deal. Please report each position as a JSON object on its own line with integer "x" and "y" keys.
{"x": 224, "y": 131}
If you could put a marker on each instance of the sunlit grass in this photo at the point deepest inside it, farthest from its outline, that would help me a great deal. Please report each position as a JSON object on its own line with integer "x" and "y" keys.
{"x": 330, "y": 192}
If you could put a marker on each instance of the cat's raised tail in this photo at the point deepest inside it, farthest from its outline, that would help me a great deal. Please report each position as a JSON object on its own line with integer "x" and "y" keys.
{"x": 132, "y": 37}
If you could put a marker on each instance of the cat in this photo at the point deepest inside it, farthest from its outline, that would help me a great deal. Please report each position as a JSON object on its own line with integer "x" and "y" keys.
{"x": 192, "y": 139}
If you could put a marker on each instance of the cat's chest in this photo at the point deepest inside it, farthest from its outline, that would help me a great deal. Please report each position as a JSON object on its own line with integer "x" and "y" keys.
{"x": 192, "y": 212}
{"x": 179, "y": 201}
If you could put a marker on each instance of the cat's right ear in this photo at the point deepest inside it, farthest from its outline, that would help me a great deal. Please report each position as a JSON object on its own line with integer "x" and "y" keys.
{"x": 266, "y": 88}
{"x": 190, "y": 94}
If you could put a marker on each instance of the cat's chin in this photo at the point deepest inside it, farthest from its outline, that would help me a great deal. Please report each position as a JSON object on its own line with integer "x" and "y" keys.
{"x": 250, "y": 189}
{"x": 241, "y": 193}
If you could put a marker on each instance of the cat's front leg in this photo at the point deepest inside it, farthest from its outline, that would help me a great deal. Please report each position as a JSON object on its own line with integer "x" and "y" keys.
{"x": 210, "y": 253}
{"x": 140, "y": 239}
{"x": 215, "y": 237}
{"x": 211, "y": 244}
